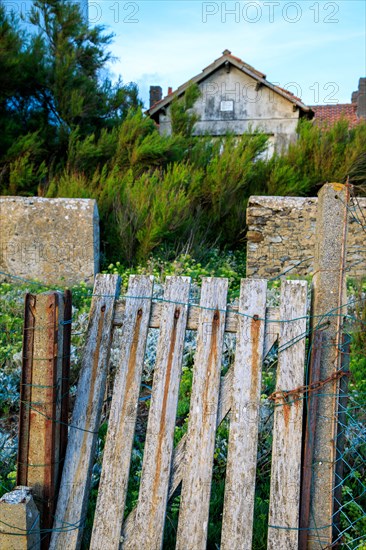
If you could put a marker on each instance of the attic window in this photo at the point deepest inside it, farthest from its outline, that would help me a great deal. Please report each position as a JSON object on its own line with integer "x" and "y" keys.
{"x": 227, "y": 106}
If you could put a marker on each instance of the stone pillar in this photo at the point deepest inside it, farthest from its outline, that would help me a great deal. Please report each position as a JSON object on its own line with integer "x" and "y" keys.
{"x": 328, "y": 310}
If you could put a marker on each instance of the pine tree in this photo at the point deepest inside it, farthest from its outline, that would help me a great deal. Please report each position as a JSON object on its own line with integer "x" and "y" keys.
{"x": 53, "y": 88}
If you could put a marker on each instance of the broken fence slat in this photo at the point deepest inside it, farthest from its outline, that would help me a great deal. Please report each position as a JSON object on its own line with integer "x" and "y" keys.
{"x": 154, "y": 485}
{"x": 121, "y": 427}
{"x": 287, "y": 431}
{"x": 75, "y": 483}
{"x": 194, "y": 507}
{"x": 237, "y": 527}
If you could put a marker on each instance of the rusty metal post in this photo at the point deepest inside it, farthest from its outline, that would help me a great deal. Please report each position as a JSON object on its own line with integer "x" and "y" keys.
{"x": 328, "y": 306}
{"x": 43, "y": 401}
{"x": 65, "y": 377}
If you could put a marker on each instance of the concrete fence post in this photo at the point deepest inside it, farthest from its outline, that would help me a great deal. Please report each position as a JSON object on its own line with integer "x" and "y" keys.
{"x": 19, "y": 521}
{"x": 328, "y": 309}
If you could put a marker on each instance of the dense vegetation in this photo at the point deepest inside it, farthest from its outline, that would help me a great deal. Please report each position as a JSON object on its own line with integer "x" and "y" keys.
{"x": 67, "y": 131}
{"x": 54, "y": 90}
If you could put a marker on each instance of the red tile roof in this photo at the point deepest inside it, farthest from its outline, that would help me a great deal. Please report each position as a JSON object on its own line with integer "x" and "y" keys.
{"x": 289, "y": 93}
{"x": 255, "y": 71}
{"x": 329, "y": 114}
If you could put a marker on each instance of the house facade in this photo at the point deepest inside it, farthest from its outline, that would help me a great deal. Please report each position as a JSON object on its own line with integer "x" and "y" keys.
{"x": 235, "y": 98}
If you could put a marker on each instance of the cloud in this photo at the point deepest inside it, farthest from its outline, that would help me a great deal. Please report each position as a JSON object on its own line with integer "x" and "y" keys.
{"x": 171, "y": 43}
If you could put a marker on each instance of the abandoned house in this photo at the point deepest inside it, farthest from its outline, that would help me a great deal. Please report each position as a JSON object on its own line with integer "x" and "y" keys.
{"x": 235, "y": 98}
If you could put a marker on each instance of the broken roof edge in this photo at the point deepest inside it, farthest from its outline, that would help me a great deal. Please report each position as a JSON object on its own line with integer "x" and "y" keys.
{"x": 242, "y": 66}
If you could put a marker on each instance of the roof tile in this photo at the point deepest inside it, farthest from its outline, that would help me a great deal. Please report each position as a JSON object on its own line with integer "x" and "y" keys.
{"x": 329, "y": 114}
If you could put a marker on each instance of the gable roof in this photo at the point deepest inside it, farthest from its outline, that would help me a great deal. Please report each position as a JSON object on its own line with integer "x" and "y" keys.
{"x": 227, "y": 57}
{"x": 329, "y": 114}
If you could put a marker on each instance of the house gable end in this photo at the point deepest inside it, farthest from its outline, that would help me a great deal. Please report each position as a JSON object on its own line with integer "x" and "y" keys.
{"x": 231, "y": 102}
{"x": 227, "y": 61}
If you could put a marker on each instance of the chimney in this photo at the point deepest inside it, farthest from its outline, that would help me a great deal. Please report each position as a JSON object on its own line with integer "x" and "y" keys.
{"x": 361, "y": 98}
{"x": 354, "y": 98}
{"x": 156, "y": 94}
{"x": 170, "y": 90}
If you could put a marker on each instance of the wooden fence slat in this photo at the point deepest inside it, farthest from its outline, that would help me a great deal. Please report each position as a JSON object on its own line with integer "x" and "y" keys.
{"x": 231, "y": 320}
{"x": 176, "y": 474}
{"x": 287, "y": 431}
{"x": 151, "y": 507}
{"x": 75, "y": 482}
{"x": 237, "y": 526}
{"x": 194, "y": 507}
{"x": 122, "y": 419}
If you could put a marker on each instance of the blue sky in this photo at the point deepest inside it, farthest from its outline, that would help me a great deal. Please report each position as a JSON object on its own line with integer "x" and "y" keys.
{"x": 315, "y": 48}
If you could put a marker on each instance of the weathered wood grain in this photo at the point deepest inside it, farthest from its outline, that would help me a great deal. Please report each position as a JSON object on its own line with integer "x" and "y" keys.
{"x": 194, "y": 507}
{"x": 224, "y": 405}
{"x": 151, "y": 506}
{"x": 237, "y": 526}
{"x": 75, "y": 483}
{"x": 122, "y": 419}
{"x": 287, "y": 430}
{"x": 231, "y": 320}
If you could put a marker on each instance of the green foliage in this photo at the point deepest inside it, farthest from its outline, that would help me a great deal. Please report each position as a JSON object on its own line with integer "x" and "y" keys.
{"x": 66, "y": 131}
{"x": 352, "y": 517}
{"x": 52, "y": 95}
{"x": 183, "y": 118}
{"x": 358, "y": 340}
{"x": 188, "y": 193}
{"x": 214, "y": 263}
{"x": 320, "y": 155}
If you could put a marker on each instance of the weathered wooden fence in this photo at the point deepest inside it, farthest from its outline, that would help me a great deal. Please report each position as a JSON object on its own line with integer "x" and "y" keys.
{"x": 296, "y": 440}
{"x": 211, "y": 400}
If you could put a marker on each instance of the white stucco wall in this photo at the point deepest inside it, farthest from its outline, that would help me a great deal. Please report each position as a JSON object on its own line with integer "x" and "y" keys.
{"x": 230, "y": 102}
